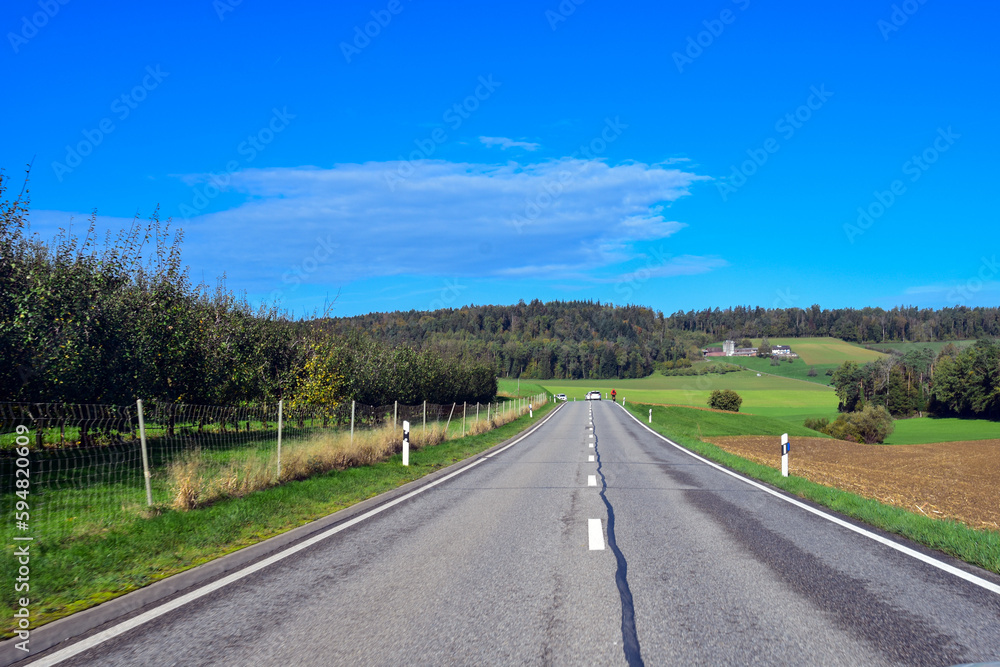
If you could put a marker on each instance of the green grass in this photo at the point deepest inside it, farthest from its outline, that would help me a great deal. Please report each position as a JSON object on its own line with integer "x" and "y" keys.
{"x": 509, "y": 387}
{"x": 705, "y": 424}
{"x": 797, "y": 370}
{"x": 766, "y": 395}
{"x": 823, "y": 350}
{"x": 979, "y": 547}
{"x": 924, "y": 430}
{"x": 72, "y": 574}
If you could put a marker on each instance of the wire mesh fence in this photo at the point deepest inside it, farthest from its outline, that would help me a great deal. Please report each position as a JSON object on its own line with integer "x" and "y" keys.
{"x": 79, "y": 469}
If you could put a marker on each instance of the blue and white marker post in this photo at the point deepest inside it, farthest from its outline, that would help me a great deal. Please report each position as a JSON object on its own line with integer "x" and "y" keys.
{"x": 406, "y": 443}
{"x": 785, "y": 448}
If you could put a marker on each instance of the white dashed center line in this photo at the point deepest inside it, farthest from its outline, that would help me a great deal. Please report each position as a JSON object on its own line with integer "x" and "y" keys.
{"x": 596, "y": 534}
{"x": 590, "y": 459}
{"x": 591, "y": 480}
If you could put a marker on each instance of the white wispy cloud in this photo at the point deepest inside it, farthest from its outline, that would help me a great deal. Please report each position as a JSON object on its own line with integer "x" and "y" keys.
{"x": 568, "y": 219}
{"x": 942, "y": 289}
{"x": 505, "y": 143}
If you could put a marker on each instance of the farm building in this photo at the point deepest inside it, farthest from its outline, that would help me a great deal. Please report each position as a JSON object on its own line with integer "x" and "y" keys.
{"x": 713, "y": 352}
{"x": 745, "y": 352}
{"x": 781, "y": 349}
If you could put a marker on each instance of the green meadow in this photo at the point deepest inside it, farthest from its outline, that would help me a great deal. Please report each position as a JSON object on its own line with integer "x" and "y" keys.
{"x": 823, "y": 350}
{"x": 510, "y": 387}
{"x": 796, "y": 370}
{"x": 766, "y": 395}
{"x": 923, "y": 430}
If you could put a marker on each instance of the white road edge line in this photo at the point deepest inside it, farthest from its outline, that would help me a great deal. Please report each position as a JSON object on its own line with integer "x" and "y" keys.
{"x": 950, "y": 569}
{"x": 591, "y": 480}
{"x": 141, "y": 619}
{"x": 596, "y": 531}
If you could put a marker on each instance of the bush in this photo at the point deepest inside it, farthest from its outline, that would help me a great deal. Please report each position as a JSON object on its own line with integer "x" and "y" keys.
{"x": 812, "y": 373}
{"x": 873, "y": 424}
{"x": 820, "y": 425}
{"x": 870, "y": 425}
{"x": 725, "y": 399}
{"x": 775, "y": 362}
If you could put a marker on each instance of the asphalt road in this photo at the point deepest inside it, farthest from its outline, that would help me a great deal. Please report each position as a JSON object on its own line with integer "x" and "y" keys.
{"x": 500, "y": 565}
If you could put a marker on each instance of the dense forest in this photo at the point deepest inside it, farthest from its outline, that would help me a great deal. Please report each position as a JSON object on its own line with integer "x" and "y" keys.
{"x": 587, "y": 339}
{"x": 562, "y": 339}
{"x": 863, "y": 325}
{"x": 959, "y": 383}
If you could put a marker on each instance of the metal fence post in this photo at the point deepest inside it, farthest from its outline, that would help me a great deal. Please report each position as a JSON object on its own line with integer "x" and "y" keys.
{"x": 464, "y": 404}
{"x": 395, "y": 411}
{"x": 425, "y": 417}
{"x": 352, "y": 422}
{"x": 281, "y": 404}
{"x": 145, "y": 455}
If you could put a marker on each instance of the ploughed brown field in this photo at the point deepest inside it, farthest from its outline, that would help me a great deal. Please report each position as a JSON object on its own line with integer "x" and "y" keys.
{"x": 955, "y": 480}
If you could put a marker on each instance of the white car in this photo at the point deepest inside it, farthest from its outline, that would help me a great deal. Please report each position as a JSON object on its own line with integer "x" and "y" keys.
{"x": 593, "y": 395}
{"x": 561, "y": 397}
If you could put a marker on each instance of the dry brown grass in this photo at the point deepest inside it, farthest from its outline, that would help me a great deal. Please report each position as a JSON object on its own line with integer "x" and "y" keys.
{"x": 195, "y": 481}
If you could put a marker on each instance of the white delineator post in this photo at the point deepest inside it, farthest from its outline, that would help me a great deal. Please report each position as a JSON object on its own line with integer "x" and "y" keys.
{"x": 650, "y": 412}
{"x": 145, "y": 454}
{"x": 406, "y": 443}
{"x": 531, "y": 410}
{"x": 785, "y": 447}
{"x": 281, "y": 404}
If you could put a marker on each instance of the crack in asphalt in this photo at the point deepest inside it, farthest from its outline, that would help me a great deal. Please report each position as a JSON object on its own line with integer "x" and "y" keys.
{"x": 630, "y": 638}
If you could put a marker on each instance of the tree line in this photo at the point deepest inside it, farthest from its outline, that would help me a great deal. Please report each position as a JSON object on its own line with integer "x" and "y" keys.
{"x": 84, "y": 321}
{"x": 558, "y": 339}
{"x": 588, "y": 339}
{"x": 953, "y": 382}
{"x": 858, "y": 325}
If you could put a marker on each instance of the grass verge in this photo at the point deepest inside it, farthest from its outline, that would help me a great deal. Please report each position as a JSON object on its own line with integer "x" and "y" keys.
{"x": 978, "y": 547}
{"x": 74, "y": 574}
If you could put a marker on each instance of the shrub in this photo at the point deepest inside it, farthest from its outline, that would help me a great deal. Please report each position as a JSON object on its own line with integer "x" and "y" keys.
{"x": 820, "y": 425}
{"x": 870, "y": 425}
{"x": 725, "y": 399}
{"x": 873, "y": 424}
{"x": 812, "y": 373}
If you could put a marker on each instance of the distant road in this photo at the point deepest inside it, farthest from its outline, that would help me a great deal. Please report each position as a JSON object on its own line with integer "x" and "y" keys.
{"x": 504, "y": 564}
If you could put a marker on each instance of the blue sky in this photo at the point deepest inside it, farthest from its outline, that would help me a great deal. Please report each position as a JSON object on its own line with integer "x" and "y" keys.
{"x": 417, "y": 154}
